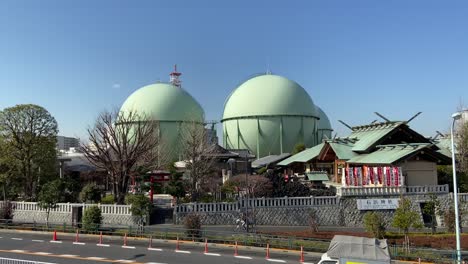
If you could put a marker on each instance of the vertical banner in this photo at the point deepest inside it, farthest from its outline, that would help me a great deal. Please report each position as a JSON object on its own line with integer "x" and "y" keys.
{"x": 402, "y": 179}
{"x": 371, "y": 175}
{"x": 343, "y": 177}
{"x": 389, "y": 180}
{"x": 397, "y": 176}
{"x": 355, "y": 174}
{"x": 351, "y": 176}
{"x": 380, "y": 175}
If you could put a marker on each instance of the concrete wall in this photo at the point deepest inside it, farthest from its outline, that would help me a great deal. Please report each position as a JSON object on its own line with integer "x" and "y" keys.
{"x": 420, "y": 172}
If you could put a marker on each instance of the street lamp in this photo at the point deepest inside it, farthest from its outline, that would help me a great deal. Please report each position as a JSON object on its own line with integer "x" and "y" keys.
{"x": 455, "y": 117}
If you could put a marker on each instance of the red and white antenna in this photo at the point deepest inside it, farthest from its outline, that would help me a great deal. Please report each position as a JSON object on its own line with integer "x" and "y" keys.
{"x": 175, "y": 77}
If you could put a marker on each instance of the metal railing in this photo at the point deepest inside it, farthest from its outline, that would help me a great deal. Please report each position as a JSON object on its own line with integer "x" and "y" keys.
{"x": 20, "y": 261}
{"x": 117, "y": 234}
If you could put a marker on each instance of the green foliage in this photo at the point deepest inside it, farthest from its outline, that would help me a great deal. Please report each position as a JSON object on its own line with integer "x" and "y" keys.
{"x": 375, "y": 224}
{"x": 90, "y": 193}
{"x": 298, "y": 148}
{"x": 175, "y": 187}
{"x": 141, "y": 204}
{"x": 262, "y": 170}
{"x": 51, "y": 194}
{"x": 92, "y": 218}
{"x": 192, "y": 223}
{"x": 430, "y": 208}
{"x": 108, "y": 199}
{"x": 449, "y": 218}
{"x": 405, "y": 217}
{"x": 6, "y": 210}
{"x": 29, "y": 132}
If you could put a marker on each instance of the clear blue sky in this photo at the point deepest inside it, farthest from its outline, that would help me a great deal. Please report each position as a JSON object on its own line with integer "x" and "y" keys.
{"x": 77, "y": 58}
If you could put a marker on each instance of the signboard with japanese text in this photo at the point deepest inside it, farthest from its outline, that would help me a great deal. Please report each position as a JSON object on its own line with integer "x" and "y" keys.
{"x": 378, "y": 204}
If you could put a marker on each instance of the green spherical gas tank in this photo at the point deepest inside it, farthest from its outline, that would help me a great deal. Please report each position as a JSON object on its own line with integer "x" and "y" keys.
{"x": 269, "y": 114}
{"x": 171, "y": 106}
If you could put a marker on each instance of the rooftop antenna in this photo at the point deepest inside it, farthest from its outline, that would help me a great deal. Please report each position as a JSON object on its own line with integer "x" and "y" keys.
{"x": 346, "y": 125}
{"x": 174, "y": 77}
{"x": 383, "y": 117}
{"x": 409, "y": 120}
{"x": 373, "y": 122}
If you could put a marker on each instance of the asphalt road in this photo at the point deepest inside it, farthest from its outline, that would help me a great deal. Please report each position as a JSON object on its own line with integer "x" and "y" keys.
{"x": 38, "y": 247}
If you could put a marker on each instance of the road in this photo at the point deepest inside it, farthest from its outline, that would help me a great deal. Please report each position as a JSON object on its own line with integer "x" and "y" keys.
{"x": 39, "y": 247}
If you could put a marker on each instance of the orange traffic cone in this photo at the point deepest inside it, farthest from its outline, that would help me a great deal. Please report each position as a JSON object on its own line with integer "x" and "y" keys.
{"x": 76, "y": 238}
{"x": 177, "y": 244}
{"x": 206, "y": 245}
{"x": 302, "y": 255}
{"x": 54, "y": 237}
{"x": 125, "y": 240}
{"x": 268, "y": 251}
{"x": 150, "y": 242}
{"x": 100, "y": 238}
{"x": 235, "y": 250}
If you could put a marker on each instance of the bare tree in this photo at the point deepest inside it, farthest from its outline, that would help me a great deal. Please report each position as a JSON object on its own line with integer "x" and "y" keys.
{"x": 199, "y": 155}
{"x": 462, "y": 142}
{"x": 119, "y": 143}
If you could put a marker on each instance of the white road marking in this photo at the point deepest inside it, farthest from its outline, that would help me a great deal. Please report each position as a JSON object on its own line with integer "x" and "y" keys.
{"x": 18, "y": 250}
{"x": 307, "y": 263}
{"x": 213, "y": 254}
{"x": 103, "y": 245}
{"x": 96, "y": 258}
{"x": 243, "y": 257}
{"x": 56, "y": 241}
{"x": 16, "y": 238}
{"x": 277, "y": 260}
{"x": 128, "y": 247}
{"x": 183, "y": 251}
{"x": 154, "y": 263}
{"x": 79, "y": 243}
{"x": 155, "y": 249}
{"x": 68, "y": 256}
{"x": 37, "y": 240}
{"x": 125, "y": 260}
{"x": 43, "y": 253}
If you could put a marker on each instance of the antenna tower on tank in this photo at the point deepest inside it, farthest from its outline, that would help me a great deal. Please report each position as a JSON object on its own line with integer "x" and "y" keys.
{"x": 174, "y": 77}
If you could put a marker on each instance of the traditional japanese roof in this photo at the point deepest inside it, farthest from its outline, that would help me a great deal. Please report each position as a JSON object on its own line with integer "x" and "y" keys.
{"x": 391, "y": 154}
{"x": 369, "y": 136}
{"x": 445, "y": 145}
{"x": 271, "y": 159}
{"x": 343, "y": 148}
{"x": 317, "y": 176}
{"x": 303, "y": 156}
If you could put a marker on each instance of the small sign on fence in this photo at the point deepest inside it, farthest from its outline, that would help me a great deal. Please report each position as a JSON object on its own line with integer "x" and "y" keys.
{"x": 377, "y": 204}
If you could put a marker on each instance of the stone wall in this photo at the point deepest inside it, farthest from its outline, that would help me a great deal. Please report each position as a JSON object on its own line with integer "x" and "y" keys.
{"x": 343, "y": 213}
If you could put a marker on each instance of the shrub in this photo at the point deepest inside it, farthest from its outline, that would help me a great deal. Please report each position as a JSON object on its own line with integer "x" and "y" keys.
{"x": 374, "y": 224}
{"x": 90, "y": 193}
{"x": 108, "y": 199}
{"x": 92, "y": 218}
{"x": 141, "y": 204}
{"x": 192, "y": 223}
{"x": 6, "y": 210}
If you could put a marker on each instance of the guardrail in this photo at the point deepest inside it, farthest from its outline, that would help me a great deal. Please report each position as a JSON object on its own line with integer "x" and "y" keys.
{"x": 259, "y": 203}
{"x": 227, "y": 237}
